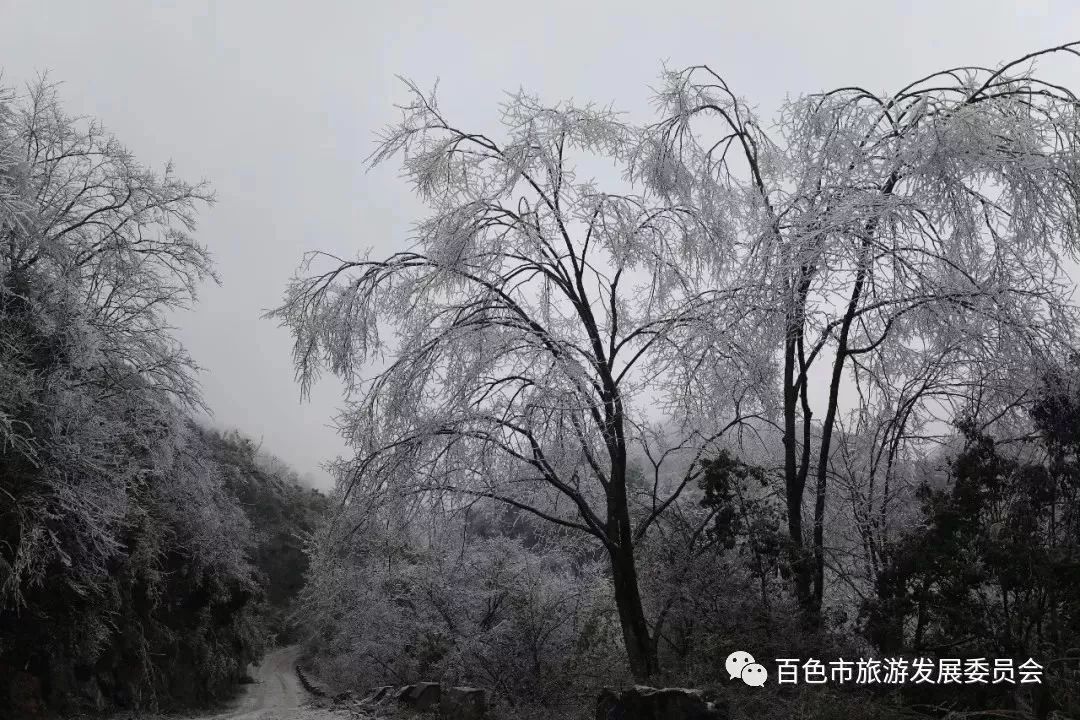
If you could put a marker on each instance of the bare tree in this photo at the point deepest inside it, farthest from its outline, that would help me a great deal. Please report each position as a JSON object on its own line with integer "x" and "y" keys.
{"x": 910, "y": 237}
{"x": 533, "y": 316}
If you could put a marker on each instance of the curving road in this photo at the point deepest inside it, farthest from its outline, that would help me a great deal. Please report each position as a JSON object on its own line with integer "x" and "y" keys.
{"x": 276, "y": 694}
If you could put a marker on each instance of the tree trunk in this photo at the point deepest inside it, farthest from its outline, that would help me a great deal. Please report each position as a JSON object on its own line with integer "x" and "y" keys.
{"x": 842, "y": 352}
{"x": 794, "y": 475}
{"x": 640, "y": 649}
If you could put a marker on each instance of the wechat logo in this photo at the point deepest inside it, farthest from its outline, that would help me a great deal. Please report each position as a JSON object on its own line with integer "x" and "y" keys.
{"x": 740, "y": 664}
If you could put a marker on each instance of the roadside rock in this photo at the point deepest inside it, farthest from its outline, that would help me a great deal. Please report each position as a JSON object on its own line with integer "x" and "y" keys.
{"x": 311, "y": 685}
{"x": 402, "y": 694}
{"x": 648, "y": 703}
{"x": 423, "y": 696}
{"x": 463, "y": 703}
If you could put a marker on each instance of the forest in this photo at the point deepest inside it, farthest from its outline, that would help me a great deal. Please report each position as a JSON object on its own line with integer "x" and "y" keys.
{"x": 631, "y": 399}
{"x": 145, "y": 560}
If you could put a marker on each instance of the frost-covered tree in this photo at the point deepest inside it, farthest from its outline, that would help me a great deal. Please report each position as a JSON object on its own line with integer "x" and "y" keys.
{"x": 463, "y": 602}
{"x": 124, "y": 562}
{"x": 94, "y": 250}
{"x": 536, "y": 321}
{"x": 914, "y": 244}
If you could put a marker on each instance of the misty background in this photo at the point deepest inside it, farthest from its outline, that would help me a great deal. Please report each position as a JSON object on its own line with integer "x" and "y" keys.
{"x": 276, "y": 104}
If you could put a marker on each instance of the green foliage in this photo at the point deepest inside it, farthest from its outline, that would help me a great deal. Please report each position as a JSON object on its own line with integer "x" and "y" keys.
{"x": 993, "y": 569}
{"x": 744, "y": 509}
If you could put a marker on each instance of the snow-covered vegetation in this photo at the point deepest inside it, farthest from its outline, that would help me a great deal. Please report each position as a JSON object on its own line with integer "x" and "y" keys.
{"x": 614, "y": 431}
{"x": 805, "y": 388}
{"x": 135, "y": 547}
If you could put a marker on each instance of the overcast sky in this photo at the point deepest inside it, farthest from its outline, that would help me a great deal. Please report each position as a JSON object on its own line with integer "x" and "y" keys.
{"x": 276, "y": 104}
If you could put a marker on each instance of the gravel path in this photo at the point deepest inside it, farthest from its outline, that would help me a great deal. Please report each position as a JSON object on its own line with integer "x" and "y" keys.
{"x": 276, "y": 694}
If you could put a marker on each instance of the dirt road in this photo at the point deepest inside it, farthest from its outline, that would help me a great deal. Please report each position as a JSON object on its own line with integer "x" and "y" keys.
{"x": 276, "y": 694}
